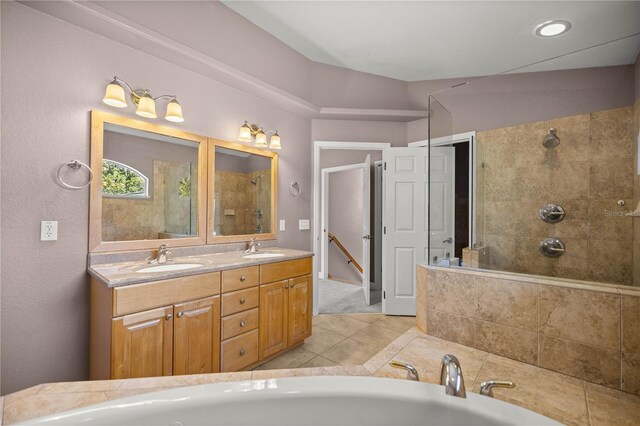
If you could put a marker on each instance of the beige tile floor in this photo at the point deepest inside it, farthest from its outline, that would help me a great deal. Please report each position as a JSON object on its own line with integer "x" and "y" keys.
{"x": 338, "y": 342}
{"x": 343, "y": 339}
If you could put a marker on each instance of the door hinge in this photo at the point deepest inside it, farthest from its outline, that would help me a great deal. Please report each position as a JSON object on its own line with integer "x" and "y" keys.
{"x": 385, "y": 165}
{"x": 384, "y": 294}
{"x": 384, "y": 229}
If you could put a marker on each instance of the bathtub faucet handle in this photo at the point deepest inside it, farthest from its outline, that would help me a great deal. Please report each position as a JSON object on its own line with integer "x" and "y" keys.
{"x": 486, "y": 388}
{"x": 412, "y": 373}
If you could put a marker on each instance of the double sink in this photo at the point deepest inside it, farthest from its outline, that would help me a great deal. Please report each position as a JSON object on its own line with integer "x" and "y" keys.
{"x": 167, "y": 267}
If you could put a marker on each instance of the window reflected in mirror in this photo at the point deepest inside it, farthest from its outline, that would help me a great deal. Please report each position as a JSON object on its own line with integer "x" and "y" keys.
{"x": 149, "y": 185}
{"x": 242, "y": 196}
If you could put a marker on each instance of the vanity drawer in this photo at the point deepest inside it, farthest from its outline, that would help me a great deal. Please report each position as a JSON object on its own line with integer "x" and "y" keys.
{"x": 239, "y": 301}
{"x": 242, "y": 322}
{"x": 238, "y": 279}
{"x": 279, "y": 271}
{"x": 239, "y": 352}
{"x": 140, "y": 297}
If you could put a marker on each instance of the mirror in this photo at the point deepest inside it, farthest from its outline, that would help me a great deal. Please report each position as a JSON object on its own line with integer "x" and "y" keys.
{"x": 149, "y": 185}
{"x": 242, "y": 192}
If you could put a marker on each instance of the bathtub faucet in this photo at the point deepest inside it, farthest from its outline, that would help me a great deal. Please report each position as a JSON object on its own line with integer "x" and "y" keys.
{"x": 451, "y": 376}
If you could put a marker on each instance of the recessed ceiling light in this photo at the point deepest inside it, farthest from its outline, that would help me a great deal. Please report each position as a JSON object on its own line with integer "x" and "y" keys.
{"x": 553, "y": 28}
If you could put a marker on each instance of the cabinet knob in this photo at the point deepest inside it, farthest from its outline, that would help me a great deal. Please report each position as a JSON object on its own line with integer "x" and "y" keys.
{"x": 242, "y": 323}
{"x": 243, "y": 279}
{"x": 286, "y": 286}
{"x": 241, "y": 352}
{"x": 168, "y": 317}
{"x": 180, "y": 314}
{"x": 242, "y": 300}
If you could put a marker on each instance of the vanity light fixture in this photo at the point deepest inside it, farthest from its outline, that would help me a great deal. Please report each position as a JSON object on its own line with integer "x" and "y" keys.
{"x": 553, "y": 28}
{"x": 254, "y": 133}
{"x": 146, "y": 104}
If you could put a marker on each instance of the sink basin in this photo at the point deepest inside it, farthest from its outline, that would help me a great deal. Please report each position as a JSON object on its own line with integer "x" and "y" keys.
{"x": 262, "y": 255}
{"x": 169, "y": 267}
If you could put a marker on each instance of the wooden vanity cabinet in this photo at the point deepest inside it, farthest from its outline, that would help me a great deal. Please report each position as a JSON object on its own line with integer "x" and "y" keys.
{"x": 240, "y": 311}
{"x": 223, "y": 321}
{"x": 285, "y": 306}
{"x": 180, "y": 335}
{"x": 142, "y": 344}
{"x": 196, "y": 337}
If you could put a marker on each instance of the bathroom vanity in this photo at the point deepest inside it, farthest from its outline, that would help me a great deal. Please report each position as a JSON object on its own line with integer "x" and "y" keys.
{"x": 232, "y": 313}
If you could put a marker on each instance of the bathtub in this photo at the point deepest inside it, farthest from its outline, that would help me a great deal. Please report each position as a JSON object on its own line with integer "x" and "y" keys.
{"x": 302, "y": 401}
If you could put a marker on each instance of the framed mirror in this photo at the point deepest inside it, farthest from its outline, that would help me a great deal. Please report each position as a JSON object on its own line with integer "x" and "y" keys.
{"x": 149, "y": 186}
{"x": 242, "y": 193}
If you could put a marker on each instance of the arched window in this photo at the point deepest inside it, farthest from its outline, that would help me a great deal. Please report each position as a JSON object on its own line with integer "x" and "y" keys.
{"x": 120, "y": 180}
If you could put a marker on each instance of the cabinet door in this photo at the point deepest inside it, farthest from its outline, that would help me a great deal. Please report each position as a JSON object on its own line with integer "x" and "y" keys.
{"x": 273, "y": 318}
{"x": 299, "y": 309}
{"x": 142, "y": 344}
{"x": 196, "y": 337}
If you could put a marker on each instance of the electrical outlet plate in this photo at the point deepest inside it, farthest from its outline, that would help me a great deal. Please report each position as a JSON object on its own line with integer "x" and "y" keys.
{"x": 303, "y": 224}
{"x": 282, "y": 225}
{"x": 48, "y": 230}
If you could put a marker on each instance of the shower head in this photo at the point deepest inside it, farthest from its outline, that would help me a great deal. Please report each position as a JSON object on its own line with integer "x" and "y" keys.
{"x": 551, "y": 140}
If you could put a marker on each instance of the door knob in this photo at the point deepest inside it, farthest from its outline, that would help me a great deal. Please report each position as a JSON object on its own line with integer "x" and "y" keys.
{"x": 448, "y": 240}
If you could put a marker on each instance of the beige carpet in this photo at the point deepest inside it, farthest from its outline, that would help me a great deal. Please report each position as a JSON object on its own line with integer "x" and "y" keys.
{"x": 340, "y": 298}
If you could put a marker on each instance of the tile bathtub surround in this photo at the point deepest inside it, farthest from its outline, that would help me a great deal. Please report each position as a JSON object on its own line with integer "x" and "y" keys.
{"x": 583, "y": 330}
{"x": 566, "y": 399}
{"x": 591, "y": 169}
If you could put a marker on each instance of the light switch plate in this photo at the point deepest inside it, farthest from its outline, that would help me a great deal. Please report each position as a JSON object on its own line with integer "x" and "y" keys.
{"x": 303, "y": 224}
{"x": 48, "y": 230}
{"x": 282, "y": 225}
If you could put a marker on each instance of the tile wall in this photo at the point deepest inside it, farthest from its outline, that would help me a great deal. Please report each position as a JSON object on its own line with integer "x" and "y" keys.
{"x": 126, "y": 219}
{"x": 237, "y": 201}
{"x": 591, "y": 332}
{"x": 587, "y": 174}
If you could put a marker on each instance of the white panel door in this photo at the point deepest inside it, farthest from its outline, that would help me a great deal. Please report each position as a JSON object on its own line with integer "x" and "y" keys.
{"x": 405, "y": 226}
{"x": 442, "y": 202}
{"x": 366, "y": 229}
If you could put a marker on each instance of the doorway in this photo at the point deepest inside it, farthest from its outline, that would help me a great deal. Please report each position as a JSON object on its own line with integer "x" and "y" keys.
{"x": 340, "y": 169}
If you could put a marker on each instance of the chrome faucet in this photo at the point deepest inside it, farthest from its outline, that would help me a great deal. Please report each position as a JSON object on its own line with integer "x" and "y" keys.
{"x": 486, "y": 388}
{"x": 163, "y": 255}
{"x": 253, "y": 246}
{"x": 451, "y": 376}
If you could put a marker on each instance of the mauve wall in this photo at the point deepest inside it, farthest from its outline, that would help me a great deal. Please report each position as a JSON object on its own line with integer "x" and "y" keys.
{"x": 44, "y": 285}
{"x": 345, "y": 222}
{"x": 512, "y": 99}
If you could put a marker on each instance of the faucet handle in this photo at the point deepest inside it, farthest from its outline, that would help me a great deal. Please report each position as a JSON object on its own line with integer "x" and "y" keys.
{"x": 486, "y": 388}
{"x": 412, "y": 373}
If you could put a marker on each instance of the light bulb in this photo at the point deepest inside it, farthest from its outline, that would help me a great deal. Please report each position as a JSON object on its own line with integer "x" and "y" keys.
{"x": 245, "y": 133}
{"x": 174, "y": 112}
{"x": 275, "y": 141}
{"x": 146, "y": 107}
{"x": 261, "y": 139}
{"x": 114, "y": 95}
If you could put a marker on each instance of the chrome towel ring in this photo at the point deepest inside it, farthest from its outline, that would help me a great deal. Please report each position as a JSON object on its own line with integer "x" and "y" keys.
{"x": 75, "y": 165}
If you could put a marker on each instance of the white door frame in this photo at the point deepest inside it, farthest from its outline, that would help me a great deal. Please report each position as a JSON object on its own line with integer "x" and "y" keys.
{"x": 318, "y": 146}
{"x": 451, "y": 140}
{"x": 323, "y": 273}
